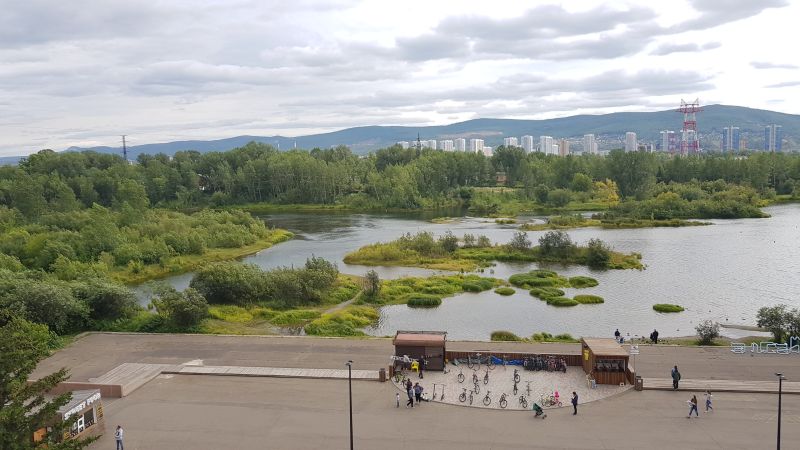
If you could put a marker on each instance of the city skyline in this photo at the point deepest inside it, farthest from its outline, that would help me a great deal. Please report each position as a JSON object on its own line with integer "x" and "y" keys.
{"x": 175, "y": 71}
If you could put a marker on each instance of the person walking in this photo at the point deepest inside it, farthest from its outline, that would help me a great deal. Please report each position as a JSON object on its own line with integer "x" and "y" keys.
{"x": 422, "y": 364}
{"x": 409, "y": 385}
{"x": 118, "y": 436}
{"x": 676, "y": 377}
{"x": 708, "y": 401}
{"x": 418, "y": 392}
{"x": 398, "y": 399}
{"x": 654, "y": 337}
{"x": 410, "y": 402}
{"x": 616, "y": 335}
{"x": 574, "y": 403}
{"x": 693, "y": 407}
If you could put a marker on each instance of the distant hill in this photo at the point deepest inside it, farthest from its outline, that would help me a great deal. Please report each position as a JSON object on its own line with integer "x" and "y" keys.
{"x": 609, "y": 128}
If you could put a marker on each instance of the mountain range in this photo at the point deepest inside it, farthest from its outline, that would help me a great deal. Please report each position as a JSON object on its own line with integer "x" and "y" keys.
{"x": 609, "y": 128}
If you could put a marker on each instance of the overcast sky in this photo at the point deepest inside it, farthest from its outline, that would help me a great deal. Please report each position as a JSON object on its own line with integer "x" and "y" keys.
{"x": 83, "y": 72}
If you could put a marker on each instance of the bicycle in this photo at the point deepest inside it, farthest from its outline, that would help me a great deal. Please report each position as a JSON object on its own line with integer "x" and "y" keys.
{"x": 503, "y": 401}
{"x": 461, "y": 376}
{"x": 523, "y": 402}
{"x": 463, "y": 396}
{"x": 477, "y": 388}
{"x": 490, "y": 362}
{"x": 549, "y": 400}
{"x": 474, "y": 377}
{"x": 487, "y": 400}
{"x": 471, "y": 364}
{"x": 486, "y": 377}
{"x": 516, "y": 376}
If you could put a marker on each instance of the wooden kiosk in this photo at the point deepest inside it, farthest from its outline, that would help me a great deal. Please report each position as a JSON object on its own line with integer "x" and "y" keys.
{"x": 419, "y": 344}
{"x": 605, "y": 359}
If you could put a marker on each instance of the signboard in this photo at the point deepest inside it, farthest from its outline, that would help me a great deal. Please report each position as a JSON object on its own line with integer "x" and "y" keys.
{"x": 634, "y": 350}
{"x": 82, "y": 405}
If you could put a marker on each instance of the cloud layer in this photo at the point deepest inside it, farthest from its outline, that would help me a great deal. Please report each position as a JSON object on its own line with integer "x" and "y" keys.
{"x": 83, "y": 72}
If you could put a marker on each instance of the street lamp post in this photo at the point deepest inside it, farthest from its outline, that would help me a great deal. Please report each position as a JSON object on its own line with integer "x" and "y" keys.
{"x": 780, "y": 392}
{"x": 350, "y": 391}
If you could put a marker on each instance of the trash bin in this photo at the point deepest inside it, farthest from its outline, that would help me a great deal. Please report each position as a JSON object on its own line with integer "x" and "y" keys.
{"x": 638, "y": 383}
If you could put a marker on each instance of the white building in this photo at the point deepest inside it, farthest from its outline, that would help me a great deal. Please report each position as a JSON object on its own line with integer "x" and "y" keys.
{"x": 510, "y": 142}
{"x": 461, "y": 145}
{"x": 487, "y": 151}
{"x": 563, "y": 147}
{"x": 527, "y": 143}
{"x": 476, "y": 145}
{"x": 589, "y": 145}
{"x": 669, "y": 141}
{"x": 553, "y": 150}
{"x": 403, "y": 144}
{"x": 546, "y": 144}
{"x": 446, "y": 145}
{"x": 631, "y": 144}
{"x": 431, "y": 144}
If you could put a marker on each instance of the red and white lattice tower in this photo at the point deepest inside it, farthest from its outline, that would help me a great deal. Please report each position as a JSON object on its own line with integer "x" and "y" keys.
{"x": 690, "y": 143}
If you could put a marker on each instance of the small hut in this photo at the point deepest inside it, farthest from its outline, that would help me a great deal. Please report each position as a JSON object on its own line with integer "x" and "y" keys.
{"x": 605, "y": 359}
{"x": 429, "y": 345}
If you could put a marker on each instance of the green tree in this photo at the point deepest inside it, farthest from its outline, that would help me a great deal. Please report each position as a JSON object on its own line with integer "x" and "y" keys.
{"x": 598, "y": 254}
{"x": 634, "y": 172}
{"x": 707, "y": 331}
{"x": 540, "y": 193}
{"x": 106, "y": 300}
{"x": 24, "y": 409}
{"x": 559, "y": 197}
{"x": 183, "y": 310}
{"x": 230, "y": 283}
{"x": 773, "y": 319}
{"x": 449, "y": 242}
{"x": 581, "y": 183}
{"x": 556, "y": 244}
{"x": 372, "y": 284}
{"x": 520, "y": 241}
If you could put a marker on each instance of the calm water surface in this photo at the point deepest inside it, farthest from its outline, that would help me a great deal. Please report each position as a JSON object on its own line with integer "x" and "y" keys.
{"x": 723, "y": 272}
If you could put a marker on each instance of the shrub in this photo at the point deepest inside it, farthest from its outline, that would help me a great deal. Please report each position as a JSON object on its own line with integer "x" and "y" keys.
{"x": 424, "y": 301}
{"x": 449, "y": 242}
{"x": 504, "y": 336}
{"x": 504, "y": 291}
{"x": 560, "y": 301}
{"x": 545, "y": 292}
{"x": 294, "y": 317}
{"x": 556, "y": 244}
{"x": 230, "y": 283}
{"x": 538, "y": 278}
{"x": 707, "y": 331}
{"x": 667, "y": 308}
{"x": 183, "y": 310}
{"x": 582, "y": 282}
{"x": 588, "y": 299}
{"x": 598, "y": 254}
{"x": 520, "y": 241}
{"x": 471, "y": 287}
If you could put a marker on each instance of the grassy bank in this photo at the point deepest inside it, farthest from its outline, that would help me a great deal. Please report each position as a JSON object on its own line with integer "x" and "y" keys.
{"x": 507, "y": 336}
{"x": 133, "y": 274}
{"x": 569, "y": 222}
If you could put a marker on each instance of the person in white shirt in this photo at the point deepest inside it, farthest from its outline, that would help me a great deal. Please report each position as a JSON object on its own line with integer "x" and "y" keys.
{"x": 118, "y": 437}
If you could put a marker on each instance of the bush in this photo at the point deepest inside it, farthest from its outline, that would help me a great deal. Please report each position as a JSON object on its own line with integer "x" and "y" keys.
{"x": 230, "y": 283}
{"x": 582, "y": 282}
{"x": 547, "y": 337}
{"x": 372, "y": 284}
{"x": 538, "y": 278}
{"x": 424, "y": 301}
{"x": 559, "y": 198}
{"x": 505, "y": 336}
{"x": 504, "y": 291}
{"x": 598, "y": 254}
{"x": 294, "y": 317}
{"x": 449, "y": 242}
{"x": 556, "y": 244}
{"x": 560, "y": 301}
{"x": 471, "y": 287}
{"x": 520, "y": 241}
{"x": 707, "y": 330}
{"x": 588, "y": 299}
{"x": 345, "y": 322}
{"x": 545, "y": 292}
{"x": 667, "y": 308}
{"x": 183, "y": 310}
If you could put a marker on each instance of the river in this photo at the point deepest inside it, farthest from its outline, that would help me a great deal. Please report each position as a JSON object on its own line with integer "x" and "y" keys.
{"x": 723, "y": 272}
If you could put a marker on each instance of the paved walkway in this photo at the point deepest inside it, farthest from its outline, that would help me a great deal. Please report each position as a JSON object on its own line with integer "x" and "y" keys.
{"x": 280, "y": 372}
{"x": 131, "y": 376}
{"x": 766, "y": 387}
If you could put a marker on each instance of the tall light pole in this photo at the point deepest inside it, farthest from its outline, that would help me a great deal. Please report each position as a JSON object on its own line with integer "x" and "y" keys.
{"x": 780, "y": 391}
{"x": 350, "y": 390}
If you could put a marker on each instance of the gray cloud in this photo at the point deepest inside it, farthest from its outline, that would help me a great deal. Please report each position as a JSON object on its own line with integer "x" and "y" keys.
{"x": 770, "y": 65}
{"x": 784, "y": 84}
{"x": 668, "y": 48}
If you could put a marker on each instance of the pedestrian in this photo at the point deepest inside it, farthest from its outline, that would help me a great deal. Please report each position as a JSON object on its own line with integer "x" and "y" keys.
{"x": 616, "y": 335}
{"x": 398, "y": 399}
{"x": 708, "y": 401}
{"x": 693, "y": 407}
{"x": 410, "y": 401}
{"x": 422, "y": 363}
{"x": 676, "y": 377}
{"x": 418, "y": 392}
{"x": 654, "y": 337}
{"x": 408, "y": 384}
{"x": 118, "y": 435}
{"x": 574, "y": 403}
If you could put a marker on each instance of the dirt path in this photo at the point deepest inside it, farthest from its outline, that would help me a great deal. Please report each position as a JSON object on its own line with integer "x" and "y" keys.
{"x": 342, "y": 305}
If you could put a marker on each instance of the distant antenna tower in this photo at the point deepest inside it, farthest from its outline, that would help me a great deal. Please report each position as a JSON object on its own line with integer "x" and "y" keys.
{"x": 419, "y": 143}
{"x": 124, "y": 148}
{"x": 690, "y": 143}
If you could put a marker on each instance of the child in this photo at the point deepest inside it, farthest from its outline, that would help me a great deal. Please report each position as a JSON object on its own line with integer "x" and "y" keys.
{"x": 693, "y": 407}
{"x": 398, "y": 399}
{"x": 708, "y": 401}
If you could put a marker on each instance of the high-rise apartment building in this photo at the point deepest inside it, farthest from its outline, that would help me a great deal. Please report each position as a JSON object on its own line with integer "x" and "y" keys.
{"x": 431, "y": 144}
{"x": 631, "y": 144}
{"x": 403, "y": 144}
{"x": 589, "y": 144}
{"x": 510, "y": 142}
{"x": 487, "y": 151}
{"x": 669, "y": 141}
{"x": 773, "y": 135}
{"x": 730, "y": 139}
{"x": 546, "y": 144}
{"x": 476, "y": 145}
{"x": 446, "y": 145}
{"x": 563, "y": 147}
{"x": 527, "y": 143}
{"x": 461, "y": 145}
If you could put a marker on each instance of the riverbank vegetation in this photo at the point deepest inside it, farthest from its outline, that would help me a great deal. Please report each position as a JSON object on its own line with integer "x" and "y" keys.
{"x": 450, "y": 253}
{"x": 507, "y": 336}
{"x": 564, "y": 222}
{"x": 505, "y": 290}
{"x": 544, "y": 284}
{"x": 667, "y": 308}
{"x": 779, "y": 320}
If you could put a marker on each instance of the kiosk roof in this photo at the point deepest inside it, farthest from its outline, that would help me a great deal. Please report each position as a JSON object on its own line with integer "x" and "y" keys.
{"x": 605, "y": 347}
{"x": 421, "y": 338}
